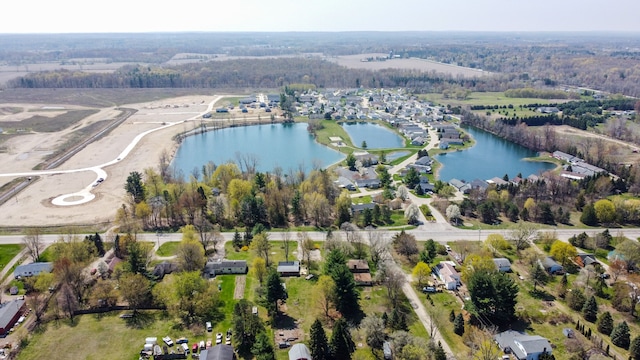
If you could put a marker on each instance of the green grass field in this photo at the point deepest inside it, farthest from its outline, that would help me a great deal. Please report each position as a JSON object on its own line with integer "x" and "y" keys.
{"x": 168, "y": 248}
{"x": 488, "y": 98}
{"x": 8, "y": 252}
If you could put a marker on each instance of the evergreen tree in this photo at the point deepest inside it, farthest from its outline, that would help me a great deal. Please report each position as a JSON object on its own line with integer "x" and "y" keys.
{"x": 452, "y": 315}
{"x": 493, "y": 295}
{"x": 237, "y": 240}
{"x": 588, "y": 216}
{"x": 263, "y": 348}
{"x": 342, "y": 345}
{"x": 385, "y": 319}
{"x": 458, "y": 325}
{"x": 346, "y": 293}
{"x": 135, "y": 186}
{"x": 318, "y": 343}
{"x": 438, "y": 353}
{"x": 634, "y": 349}
{"x": 274, "y": 292}
{"x": 590, "y": 309}
{"x": 605, "y": 323}
{"x": 620, "y": 335}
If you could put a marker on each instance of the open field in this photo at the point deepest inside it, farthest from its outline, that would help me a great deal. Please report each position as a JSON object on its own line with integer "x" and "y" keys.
{"x": 355, "y": 61}
{"x": 8, "y": 252}
{"x": 489, "y": 98}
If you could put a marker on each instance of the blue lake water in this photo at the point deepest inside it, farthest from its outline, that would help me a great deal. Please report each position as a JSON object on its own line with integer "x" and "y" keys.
{"x": 397, "y": 154}
{"x": 376, "y": 136}
{"x": 491, "y": 156}
{"x": 283, "y": 145}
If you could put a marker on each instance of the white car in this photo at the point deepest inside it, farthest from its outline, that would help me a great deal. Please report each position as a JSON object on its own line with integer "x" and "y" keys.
{"x": 167, "y": 340}
{"x": 218, "y": 338}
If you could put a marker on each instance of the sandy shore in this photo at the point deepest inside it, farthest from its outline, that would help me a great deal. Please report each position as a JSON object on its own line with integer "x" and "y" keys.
{"x": 32, "y": 206}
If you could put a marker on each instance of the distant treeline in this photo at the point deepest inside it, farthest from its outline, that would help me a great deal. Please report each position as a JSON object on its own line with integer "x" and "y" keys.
{"x": 540, "y": 94}
{"x": 581, "y": 122}
{"x": 244, "y": 73}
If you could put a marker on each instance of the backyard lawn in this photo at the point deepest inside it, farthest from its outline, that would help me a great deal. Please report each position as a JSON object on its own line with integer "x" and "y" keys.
{"x": 8, "y": 252}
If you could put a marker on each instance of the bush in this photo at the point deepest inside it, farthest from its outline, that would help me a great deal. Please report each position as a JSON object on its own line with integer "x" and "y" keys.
{"x": 245, "y": 248}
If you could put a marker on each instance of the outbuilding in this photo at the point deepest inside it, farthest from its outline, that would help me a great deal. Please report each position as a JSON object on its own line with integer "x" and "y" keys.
{"x": 10, "y": 312}
{"x": 32, "y": 269}
{"x": 289, "y": 268}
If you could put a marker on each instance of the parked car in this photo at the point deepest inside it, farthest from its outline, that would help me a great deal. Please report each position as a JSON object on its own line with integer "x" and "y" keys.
{"x": 167, "y": 340}
{"x": 429, "y": 289}
{"x": 209, "y": 327}
{"x": 182, "y": 340}
{"x": 284, "y": 344}
{"x": 202, "y": 345}
{"x": 218, "y": 338}
{"x": 185, "y": 348}
{"x": 208, "y": 344}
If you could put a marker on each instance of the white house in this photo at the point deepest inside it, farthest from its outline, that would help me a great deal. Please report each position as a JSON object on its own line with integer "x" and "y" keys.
{"x": 448, "y": 275}
{"x": 523, "y": 346}
{"x": 213, "y": 268}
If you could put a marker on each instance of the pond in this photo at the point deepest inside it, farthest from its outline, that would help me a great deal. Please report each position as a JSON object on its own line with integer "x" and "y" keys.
{"x": 491, "y": 156}
{"x": 376, "y": 136}
{"x": 397, "y": 154}
{"x": 273, "y": 145}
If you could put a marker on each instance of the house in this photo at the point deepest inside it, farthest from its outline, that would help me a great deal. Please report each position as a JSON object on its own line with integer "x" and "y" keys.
{"x": 299, "y": 351}
{"x": 223, "y": 266}
{"x": 358, "y": 266}
{"x": 289, "y": 268}
{"x": 345, "y": 183}
{"x": 32, "y": 269}
{"x": 10, "y": 312}
{"x": 566, "y": 157}
{"x": 113, "y": 262}
{"x": 218, "y": 352}
{"x": 419, "y": 141}
{"x": 550, "y": 265}
{"x": 584, "y": 259}
{"x": 359, "y": 208}
{"x": 164, "y": 268}
{"x": 368, "y": 183}
{"x": 502, "y": 264}
{"x": 523, "y": 346}
{"x": 478, "y": 184}
{"x": 548, "y": 110}
{"x": 448, "y": 275}
{"x": 424, "y": 161}
{"x": 360, "y": 270}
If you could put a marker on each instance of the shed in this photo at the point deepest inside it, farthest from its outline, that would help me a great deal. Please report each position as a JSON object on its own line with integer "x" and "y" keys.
{"x": 358, "y": 266}
{"x": 289, "y": 268}
{"x": 32, "y": 269}
{"x": 551, "y": 266}
{"x": 502, "y": 264}
{"x": 299, "y": 351}
{"x": 10, "y": 312}
{"x": 362, "y": 279}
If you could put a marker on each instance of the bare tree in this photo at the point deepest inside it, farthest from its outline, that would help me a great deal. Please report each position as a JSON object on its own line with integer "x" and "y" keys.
{"x": 522, "y": 236}
{"x": 377, "y": 246}
{"x": 352, "y": 235}
{"x": 33, "y": 243}
{"x": 286, "y": 241}
{"x": 392, "y": 278}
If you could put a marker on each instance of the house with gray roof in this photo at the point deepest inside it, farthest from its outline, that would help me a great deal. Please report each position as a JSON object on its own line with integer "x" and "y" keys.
{"x": 218, "y": 352}
{"x": 32, "y": 269}
{"x": 299, "y": 351}
{"x": 10, "y": 312}
{"x": 502, "y": 264}
{"x": 550, "y": 265}
{"x": 223, "y": 266}
{"x": 288, "y": 268}
{"x": 523, "y": 346}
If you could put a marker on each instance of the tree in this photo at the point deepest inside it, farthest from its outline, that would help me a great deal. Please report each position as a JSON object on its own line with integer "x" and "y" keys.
{"x": 429, "y": 252}
{"x": 259, "y": 269}
{"x": 590, "y": 309}
{"x": 412, "y": 178}
{"x": 139, "y": 255}
{"x": 326, "y": 294}
{"x": 374, "y": 331}
{"x": 33, "y": 243}
{"x": 563, "y": 252}
{"x": 496, "y": 243}
{"x": 351, "y": 162}
{"x": 318, "y": 343}
{"x": 402, "y": 193}
{"x": 575, "y": 299}
{"x": 458, "y": 325}
{"x": 364, "y": 144}
{"x": 538, "y": 276}
{"x": 274, "y": 292}
{"x": 605, "y": 323}
{"x": 620, "y": 335}
{"x": 617, "y": 267}
{"x": 190, "y": 253}
{"x": 589, "y": 216}
{"x": 262, "y": 246}
{"x": 405, "y": 244}
{"x": 346, "y": 295}
{"x": 245, "y": 325}
{"x": 135, "y": 290}
{"x": 634, "y": 349}
{"x": 392, "y": 278}
{"x": 421, "y": 272}
{"x": 262, "y": 348}
{"x": 342, "y": 345}
{"x": 493, "y": 295}
{"x": 605, "y": 211}
{"x": 453, "y": 213}
{"x": 522, "y": 235}
{"x": 135, "y": 187}
{"x": 377, "y": 246}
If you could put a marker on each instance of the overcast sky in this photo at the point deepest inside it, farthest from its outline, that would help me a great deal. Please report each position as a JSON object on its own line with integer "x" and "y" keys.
{"x": 64, "y": 16}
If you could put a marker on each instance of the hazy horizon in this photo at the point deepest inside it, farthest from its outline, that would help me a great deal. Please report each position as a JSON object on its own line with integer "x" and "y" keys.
{"x": 120, "y": 16}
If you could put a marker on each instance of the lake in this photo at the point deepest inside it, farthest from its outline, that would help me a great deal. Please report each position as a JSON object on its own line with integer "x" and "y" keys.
{"x": 283, "y": 145}
{"x": 376, "y": 136}
{"x": 491, "y": 156}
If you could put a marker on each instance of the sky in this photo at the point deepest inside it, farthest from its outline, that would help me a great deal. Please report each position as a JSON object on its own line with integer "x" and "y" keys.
{"x": 76, "y": 16}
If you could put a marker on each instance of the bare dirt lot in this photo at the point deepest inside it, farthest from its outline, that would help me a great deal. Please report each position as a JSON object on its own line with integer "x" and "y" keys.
{"x": 355, "y": 62}
{"x": 33, "y": 205}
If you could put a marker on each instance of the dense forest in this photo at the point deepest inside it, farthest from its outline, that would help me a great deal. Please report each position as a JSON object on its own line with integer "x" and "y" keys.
{"x": 607, "y": 62}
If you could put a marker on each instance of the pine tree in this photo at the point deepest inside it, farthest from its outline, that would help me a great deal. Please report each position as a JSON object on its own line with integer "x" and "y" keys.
{"x": 237, "y": 240}
{"x": 385, "y": 319}
{"x": 605, "y": 323}
{"x": 438, "y": 353}
{"x": 590, "y": 309}
{"x": 634, "y": 349}
{"x": 452, "y": 315}
{"x": 318, "y": 343}
{"x": 342, "y": 345}
{"x": 458, "y": 325}
{"x": 262, "y": 348}
{"x": 620, "y": 335}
